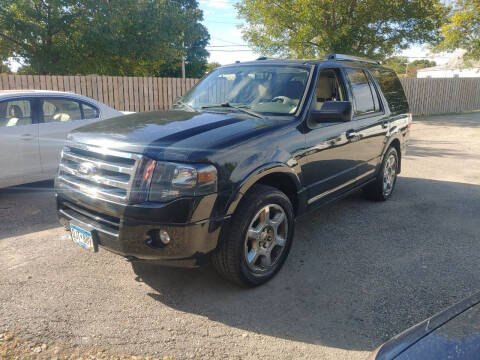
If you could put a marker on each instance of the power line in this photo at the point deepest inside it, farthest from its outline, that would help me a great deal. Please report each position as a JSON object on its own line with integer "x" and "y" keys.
{"x": 229, "y": 50}
{"x": 226, "y": 41}
{"x": 222, "y": 46}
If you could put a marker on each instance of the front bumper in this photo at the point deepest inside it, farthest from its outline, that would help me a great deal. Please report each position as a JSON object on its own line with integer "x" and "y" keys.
{"x": 129, "y": 230}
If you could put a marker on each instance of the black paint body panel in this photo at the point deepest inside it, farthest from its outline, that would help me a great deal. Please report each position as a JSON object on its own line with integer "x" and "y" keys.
{"x": 451, "y": 334}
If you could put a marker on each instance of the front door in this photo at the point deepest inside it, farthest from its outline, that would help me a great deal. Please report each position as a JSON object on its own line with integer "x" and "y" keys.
{"x": 330, "y": 164}
{"x": 19, "y": 147}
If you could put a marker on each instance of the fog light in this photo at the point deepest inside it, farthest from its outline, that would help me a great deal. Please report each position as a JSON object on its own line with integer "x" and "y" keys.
{"x": 157, "y": 239}
{"x": 164, "y": 237}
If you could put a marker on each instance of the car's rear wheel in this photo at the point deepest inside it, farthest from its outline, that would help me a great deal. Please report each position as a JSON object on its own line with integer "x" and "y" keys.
{"x": 259, "y": 238}
{"x": 382, "y": 188}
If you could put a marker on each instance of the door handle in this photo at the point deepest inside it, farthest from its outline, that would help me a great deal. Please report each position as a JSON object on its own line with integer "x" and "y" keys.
{"x": 27, "y": 137}
{"x": 351, "y": 134}
{"x": 385, "y": 124}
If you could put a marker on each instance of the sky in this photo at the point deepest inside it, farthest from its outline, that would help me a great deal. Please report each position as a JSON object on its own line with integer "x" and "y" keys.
{"x": 227, "y": 46}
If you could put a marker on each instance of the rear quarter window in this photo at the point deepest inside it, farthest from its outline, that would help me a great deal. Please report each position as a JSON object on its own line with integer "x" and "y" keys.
{"x": 392, "y": 89}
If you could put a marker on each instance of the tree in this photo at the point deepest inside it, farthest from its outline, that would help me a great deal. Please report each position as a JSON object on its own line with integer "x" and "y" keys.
{"x": 313, "y": 28}
{"x": 403, "y": 68}
{"x": 397, "y": 63}
{"x": 462, "y": 30}
{"x": 416, "y": 65}
{"x": 109, "y": 37}
{"x": 212, "y": 66}
{"x": 4, "y": 69}
{"x": 37, "y": 31}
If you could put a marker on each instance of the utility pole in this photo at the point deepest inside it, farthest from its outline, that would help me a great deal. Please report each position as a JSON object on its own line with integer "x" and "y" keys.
{"x": 183, "y": 56}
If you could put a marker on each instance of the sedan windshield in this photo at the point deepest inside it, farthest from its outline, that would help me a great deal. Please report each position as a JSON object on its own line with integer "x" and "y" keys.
{"x": 272, "y": 89}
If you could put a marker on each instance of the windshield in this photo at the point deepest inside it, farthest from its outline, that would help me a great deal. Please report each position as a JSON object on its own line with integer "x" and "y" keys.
{"x": 274, "y": 90}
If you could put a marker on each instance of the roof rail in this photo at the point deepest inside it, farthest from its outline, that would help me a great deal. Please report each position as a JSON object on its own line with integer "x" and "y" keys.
{"x": 349, "y": 57}
{"x": 266, "y": 58}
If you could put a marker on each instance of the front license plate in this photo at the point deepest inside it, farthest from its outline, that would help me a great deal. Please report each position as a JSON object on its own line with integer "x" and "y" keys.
{"x": 82, "y": 237}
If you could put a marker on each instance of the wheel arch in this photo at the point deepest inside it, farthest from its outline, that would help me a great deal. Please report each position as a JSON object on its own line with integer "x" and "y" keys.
{"x": 279, "y": 176}
{"x": 395, "y": 142}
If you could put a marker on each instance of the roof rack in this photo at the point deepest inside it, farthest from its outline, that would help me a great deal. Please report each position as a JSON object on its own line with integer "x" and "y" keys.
{"x": 348, "y": 57}
{"x": 266, "y": 58}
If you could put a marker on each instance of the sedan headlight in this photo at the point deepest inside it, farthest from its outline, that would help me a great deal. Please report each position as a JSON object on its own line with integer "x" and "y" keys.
{"x": 173, "y": 180}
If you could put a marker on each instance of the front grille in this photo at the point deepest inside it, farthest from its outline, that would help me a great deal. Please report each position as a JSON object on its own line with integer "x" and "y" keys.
{"x": 98, "y": 172}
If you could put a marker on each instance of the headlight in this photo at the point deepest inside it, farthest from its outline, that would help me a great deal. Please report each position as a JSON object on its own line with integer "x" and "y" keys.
{"x": 172, "y": 180}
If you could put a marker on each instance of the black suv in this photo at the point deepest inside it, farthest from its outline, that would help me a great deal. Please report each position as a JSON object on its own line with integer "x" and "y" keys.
{"x": 225, "y": 172}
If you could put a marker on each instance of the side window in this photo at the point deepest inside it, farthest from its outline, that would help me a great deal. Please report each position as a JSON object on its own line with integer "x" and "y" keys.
{"x": 392, "y": 89}
{"x": 60, "y": 110}
{"x": 376, "y": 99}
{"x": 15, "y": 113}
{"x": 328, "y": 88}
{"x": 89, "y": 112}
{"x": 363, "y": 93}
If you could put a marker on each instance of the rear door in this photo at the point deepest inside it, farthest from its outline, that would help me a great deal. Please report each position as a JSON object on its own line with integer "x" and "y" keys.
{"x": 370, "y": 122}
{"x": 19, "y": 145}
{"x": 58, "y": 117}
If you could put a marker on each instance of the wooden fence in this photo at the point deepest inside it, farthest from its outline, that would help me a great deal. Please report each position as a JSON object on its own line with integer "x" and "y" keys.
{"x": 437, "y": 96}
{"x": 425, "y": 96}
{"x": 120, "y": 92}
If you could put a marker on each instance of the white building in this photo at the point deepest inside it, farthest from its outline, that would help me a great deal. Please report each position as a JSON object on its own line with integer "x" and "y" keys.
{"x": 455, "y": 67}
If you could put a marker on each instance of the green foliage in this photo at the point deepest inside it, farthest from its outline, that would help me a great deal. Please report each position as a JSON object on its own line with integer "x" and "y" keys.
{"x": 403, "y": 68}
{"x": 416, "y": 65}
{"x": 397, "y": 63}
{"x": 109, "y": 37}
{"x": 313, "y": 28}
{"x": 4, "y": 69}
{"x": 423, "y": 63}
{"x": 462, "y": 30}
{"x": 212, "y": 66}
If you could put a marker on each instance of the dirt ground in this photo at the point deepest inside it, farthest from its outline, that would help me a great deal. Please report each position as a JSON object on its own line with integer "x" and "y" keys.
{"x": 359, "y": 272}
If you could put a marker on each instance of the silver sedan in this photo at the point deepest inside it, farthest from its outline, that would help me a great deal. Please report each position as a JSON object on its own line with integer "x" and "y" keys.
{"x": 33, "y": 127}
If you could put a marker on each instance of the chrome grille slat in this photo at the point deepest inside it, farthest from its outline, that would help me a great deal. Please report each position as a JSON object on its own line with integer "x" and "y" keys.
{"x": 90, "y": 190}
{"x": 99, "y": 164}
{"x": 104, "y": 180}
{"x": 98, "y": 172}
{"x": 105, "y": 151}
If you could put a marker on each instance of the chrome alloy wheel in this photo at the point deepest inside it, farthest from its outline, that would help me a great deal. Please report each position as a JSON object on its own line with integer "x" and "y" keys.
{"x": 266, "y": 238}
{"x": 389, "y": 174}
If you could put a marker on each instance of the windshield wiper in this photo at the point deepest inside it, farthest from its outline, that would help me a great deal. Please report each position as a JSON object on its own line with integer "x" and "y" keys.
{"x": 243, "y": 108}
{"x": 181, "y": 103}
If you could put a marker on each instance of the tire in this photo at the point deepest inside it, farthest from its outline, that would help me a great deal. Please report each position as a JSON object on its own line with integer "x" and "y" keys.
{"x": 382, "y": 188}
{"x": 254, "y": 259}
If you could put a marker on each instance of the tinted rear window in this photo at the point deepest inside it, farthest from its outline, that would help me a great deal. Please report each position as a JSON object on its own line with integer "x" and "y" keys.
{"x": 392, "y": 89}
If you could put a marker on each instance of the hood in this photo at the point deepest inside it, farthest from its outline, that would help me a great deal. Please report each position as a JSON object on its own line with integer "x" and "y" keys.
{"x": 448, "y": 334}
{"x": 173, "y": 135}
{"x": 458, "y": 336}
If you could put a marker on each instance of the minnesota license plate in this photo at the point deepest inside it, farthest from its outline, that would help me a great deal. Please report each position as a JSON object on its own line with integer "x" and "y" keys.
{"x": 82, "y": 237}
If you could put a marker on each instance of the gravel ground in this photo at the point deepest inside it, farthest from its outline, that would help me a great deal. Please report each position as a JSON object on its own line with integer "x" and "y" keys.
{"x": 359, "y": 272}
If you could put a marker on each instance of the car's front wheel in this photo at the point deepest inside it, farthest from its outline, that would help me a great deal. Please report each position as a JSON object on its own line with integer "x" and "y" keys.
{"x": 382, "y": 188}
{"x": 259, "y": 238}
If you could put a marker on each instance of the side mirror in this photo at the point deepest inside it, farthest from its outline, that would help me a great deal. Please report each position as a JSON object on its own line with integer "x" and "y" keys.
{"x": 333, "y": 111}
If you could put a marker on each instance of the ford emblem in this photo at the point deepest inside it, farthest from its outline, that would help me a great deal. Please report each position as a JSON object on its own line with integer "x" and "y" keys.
{"x": 87, "y": 168}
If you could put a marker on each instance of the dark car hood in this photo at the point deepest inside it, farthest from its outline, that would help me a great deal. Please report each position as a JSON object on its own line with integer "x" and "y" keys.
{"x": 172, "y": 135}
{"x": 453, "y": 333}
